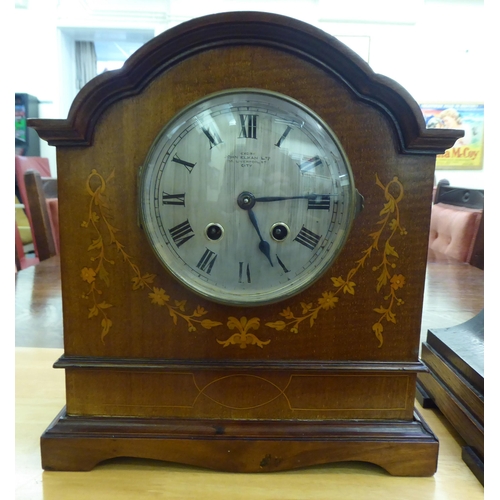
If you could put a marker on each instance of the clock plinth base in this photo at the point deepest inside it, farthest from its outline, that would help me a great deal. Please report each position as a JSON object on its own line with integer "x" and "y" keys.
{"x": 402, "y": 448}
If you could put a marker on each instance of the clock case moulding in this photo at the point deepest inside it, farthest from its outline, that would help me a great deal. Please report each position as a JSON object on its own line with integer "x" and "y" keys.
{"x": 164, "y": 383}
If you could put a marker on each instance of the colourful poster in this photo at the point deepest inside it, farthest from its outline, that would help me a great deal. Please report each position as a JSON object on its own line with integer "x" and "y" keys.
{"x": 467, "y": 153}
{"x": 20, "y": 122}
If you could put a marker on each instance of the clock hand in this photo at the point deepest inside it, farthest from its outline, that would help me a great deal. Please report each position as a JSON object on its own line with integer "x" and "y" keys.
{"x": 246, "y": 201}
{"x": 299, "y": 197}
{"x": 264, "y": 246}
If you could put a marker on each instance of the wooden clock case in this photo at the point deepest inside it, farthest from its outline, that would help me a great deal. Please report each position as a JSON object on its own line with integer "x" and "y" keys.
{"x": 154, "y": 371}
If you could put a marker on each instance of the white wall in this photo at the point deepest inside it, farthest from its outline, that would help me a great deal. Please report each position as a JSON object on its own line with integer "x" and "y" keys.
{"x": 434, "y": 48}
{"x": 36, "y": 68}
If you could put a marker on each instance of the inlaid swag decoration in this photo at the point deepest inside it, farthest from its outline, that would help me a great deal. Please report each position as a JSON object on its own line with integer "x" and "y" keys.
{"x": 104, "y": 239}
{"x": 390, "y": 226}
{"x": 98, "y": 219}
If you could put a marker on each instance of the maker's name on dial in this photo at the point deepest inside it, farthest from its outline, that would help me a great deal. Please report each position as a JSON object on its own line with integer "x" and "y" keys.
{"x": 248, "y": 159}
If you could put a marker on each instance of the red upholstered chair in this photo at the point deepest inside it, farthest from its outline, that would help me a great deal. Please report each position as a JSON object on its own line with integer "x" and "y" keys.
{"x": 454, "y": 230}
{"x": 457, "y": 224}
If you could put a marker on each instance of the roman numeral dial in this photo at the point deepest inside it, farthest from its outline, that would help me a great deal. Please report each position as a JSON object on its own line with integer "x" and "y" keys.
{"x": 207, "y": 261}
{"x": 280, "y": 262}
{"x": 307, "y": 238}
{"x": 173, "y": 199}
{"x": 244, "y": 273}
{"x": 212, "y": 135}
{"x": 283, "y": 136}
{"x": 310, "y": 164}
{"x": 189, "y": 166}
{"x": 319, "y": 203}
{"x": 181, "y": 233}
{"x": 246, "y": 199}
{"x": 248, "y": 127}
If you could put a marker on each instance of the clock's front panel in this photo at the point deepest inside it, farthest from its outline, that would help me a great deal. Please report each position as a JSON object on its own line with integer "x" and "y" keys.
{"x": 142, "y": 340}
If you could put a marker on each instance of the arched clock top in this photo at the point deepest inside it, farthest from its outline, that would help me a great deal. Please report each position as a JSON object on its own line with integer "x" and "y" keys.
{"x": 246, "y": 28}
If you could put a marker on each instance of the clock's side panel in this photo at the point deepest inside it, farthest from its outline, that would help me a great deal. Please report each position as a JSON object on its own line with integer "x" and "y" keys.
{"x": 120, "y": 303}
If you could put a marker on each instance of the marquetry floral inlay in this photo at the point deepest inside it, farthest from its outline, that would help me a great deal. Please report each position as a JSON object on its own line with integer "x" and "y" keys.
{"x": 99, "y": 220}
{"x": 381, "y": 243}
{"x": 242, "y": 337}
{"x": 106, "y": 247}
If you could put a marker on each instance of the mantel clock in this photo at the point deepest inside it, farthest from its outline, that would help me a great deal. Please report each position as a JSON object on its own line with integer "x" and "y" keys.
{"x": 244, "y": 214}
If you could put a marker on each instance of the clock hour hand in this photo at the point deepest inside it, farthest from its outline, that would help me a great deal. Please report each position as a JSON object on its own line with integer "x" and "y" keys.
{"x": 264, "y": 246}
{"x": 246, "y": 201}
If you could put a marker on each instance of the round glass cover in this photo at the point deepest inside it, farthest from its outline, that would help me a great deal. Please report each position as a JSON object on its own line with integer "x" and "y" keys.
{"x": 247, "y": 197}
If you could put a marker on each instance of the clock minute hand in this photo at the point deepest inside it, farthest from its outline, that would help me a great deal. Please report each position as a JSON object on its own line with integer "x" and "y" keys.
{"x": 264, "y": 246}
{"x": 298, "y": 197}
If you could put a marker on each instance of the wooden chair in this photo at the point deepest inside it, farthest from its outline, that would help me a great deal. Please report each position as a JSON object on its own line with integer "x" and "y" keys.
{"x": 41, "y": 195}
{"x": 22, "y": 165}
{"x": 460, "y": 197}
{"x": 457, "y": 223}
{"x": 22, "y": 260}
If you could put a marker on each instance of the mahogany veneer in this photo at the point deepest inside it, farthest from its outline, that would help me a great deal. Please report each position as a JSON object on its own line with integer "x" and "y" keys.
{"x": 153, "y": 370}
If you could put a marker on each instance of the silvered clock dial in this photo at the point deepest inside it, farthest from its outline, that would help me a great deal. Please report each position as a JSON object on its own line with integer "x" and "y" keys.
{"x": 247, "y": 197}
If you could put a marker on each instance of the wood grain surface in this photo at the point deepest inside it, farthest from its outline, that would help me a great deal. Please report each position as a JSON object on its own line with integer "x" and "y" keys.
{"x": 130, "y": 325}
{"x": 349, "y": 347}
{"x": 40, "y": 396}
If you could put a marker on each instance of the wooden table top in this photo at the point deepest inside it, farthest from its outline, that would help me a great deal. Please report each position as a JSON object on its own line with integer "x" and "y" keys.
{"x": 453, "y": 294}
{"x": 39, "y": 305}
